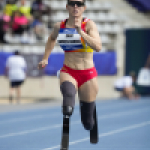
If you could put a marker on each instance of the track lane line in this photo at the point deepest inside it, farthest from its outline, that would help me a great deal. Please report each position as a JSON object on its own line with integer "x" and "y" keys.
{"x": 48, "y": 116}
{"x": 134, "y": 126}
{"x": 73, "y": 123}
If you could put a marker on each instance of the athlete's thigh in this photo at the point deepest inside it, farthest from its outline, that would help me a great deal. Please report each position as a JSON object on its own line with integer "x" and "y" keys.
{"x": 66, "y": 77}
{"x": 88, "y": 91}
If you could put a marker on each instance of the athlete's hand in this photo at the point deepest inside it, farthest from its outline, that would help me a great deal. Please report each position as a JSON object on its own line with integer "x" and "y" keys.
{"x": 78, "y": 24}
{"x": 42, "y": 64}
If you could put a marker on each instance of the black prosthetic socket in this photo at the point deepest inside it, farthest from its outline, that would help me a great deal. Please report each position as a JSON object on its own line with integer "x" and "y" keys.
{"x": 68, "y": 91}
{"x": 67, "y": 110}
{"x": 87, "y": 110}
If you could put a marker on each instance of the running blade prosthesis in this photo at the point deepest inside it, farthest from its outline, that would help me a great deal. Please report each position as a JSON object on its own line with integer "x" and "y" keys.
{"x": 65, "y": 134}
{"x": 94, "y": 132}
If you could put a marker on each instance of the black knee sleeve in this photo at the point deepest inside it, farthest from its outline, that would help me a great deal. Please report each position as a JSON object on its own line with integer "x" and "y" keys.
{"x": 68, "y": 91}
{"x": 87, "y": 110}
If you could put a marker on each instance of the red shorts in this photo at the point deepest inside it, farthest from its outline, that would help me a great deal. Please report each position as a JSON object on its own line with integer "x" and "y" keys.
{"x": 81, "y": 76}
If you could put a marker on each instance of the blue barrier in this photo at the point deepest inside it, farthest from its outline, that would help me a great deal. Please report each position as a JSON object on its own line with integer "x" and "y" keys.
{"x": 3, "y": 58}
{"x": 105, "y": 63}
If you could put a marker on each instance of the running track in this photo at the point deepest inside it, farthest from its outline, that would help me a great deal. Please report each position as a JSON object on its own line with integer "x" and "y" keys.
{"x": 123, "y": 125}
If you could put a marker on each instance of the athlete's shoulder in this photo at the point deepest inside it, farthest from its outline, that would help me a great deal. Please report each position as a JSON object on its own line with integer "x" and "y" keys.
{"x": 90, "y": 22}
{"x": 57, "y": 25}
{"x": 55, "y": 31}
{"x": 90, "y": 25}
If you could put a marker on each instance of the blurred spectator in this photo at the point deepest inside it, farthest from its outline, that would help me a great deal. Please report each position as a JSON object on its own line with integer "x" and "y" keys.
{"x": 25, "y": 9}
{"x": 10, "y": 7}
{"x": 143, "y": 78}
{"x": 12, "y": 1}
{"x": 4, "y": 27}
{"x": 15, "y": 70}
{"x": 38, "y": 6}
{"x": 38, "y": 27}
{"x": 19, "y": 24}
{"x": 124, "y": 85}
{"x": 2, "y": 32}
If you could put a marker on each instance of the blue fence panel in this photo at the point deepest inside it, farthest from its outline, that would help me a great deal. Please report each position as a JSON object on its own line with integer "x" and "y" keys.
{"x": 105, "y": 63}
{"x": 3, "y": 58}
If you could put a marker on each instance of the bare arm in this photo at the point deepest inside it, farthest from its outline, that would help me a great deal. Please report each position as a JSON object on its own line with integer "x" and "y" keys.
{"x": 51, "y": 41}
{"x": 49, "y": 45}
{"x": 92, "y": 37}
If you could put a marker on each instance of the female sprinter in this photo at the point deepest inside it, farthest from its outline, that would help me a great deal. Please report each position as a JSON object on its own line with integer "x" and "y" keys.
{"x": 78, "y": 37}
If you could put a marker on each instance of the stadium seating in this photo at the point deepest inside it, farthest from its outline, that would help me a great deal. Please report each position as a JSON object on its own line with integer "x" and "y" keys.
{"x": 99, "y": 12}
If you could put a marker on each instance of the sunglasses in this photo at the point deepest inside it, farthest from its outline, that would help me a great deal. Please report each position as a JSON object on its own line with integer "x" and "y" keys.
{"x": 78, "y": 3}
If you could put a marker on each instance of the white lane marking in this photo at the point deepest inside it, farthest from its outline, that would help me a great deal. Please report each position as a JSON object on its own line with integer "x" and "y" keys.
{"x": 28, "y": 118}
{"x": 73, "y": 123}
{"x": 105, "y": 134}
{"x": 47, "y": 116}
{"x": 32, "y": 131}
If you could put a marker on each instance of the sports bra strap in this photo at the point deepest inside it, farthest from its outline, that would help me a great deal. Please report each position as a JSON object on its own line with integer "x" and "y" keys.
{"x": 83, "y": 25}
{"x": 63, "y": 24}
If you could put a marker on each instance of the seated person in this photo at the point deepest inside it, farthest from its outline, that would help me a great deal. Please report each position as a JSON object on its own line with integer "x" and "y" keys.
{"x": 125, "y": 86}
{"x": 38, "y": 6}
{"x": 25, "y": 9}
{"x": 9, "y": 8}
{"x": 4, "y": 27}
{"x": 19, "y": 23}
{"x": 38, "y": 27}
